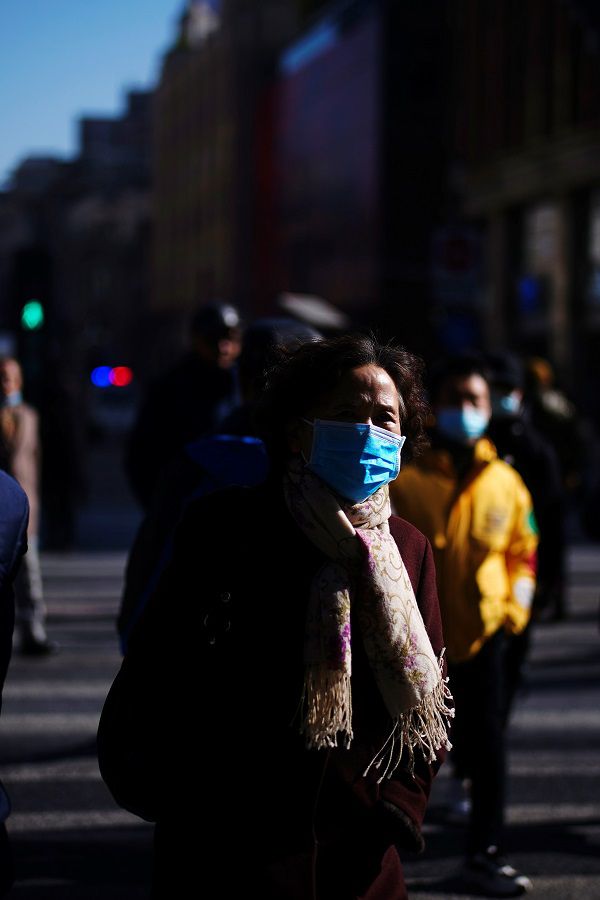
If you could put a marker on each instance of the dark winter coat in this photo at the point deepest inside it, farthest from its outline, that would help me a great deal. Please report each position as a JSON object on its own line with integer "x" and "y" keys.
{"x": 200, "y": 733}
{"x": 204, "y": 465}
{"x": 183, "y": 404}
{"x": 14, "y": 515}
{"x": 519, "y": 443}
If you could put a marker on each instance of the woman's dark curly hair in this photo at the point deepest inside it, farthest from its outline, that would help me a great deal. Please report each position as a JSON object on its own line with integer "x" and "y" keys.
{"x": 301, "y": 378}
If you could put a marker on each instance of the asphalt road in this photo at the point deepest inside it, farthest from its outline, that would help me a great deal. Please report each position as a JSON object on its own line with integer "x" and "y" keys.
{"x": 71, "y": 842}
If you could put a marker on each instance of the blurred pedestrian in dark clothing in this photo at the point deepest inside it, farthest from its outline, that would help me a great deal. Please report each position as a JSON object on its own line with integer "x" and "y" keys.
{"x": 14, "y": 514}
{"x": 20, "y": 456}
{"x": 557, "y": 418}
{"x": 478, "y": 515}
{"x": 234, "y": 455}
{"x": 63, "y": 461}
{"x": 305, "y": 691}
{"x": 590, "y": 506}
{"x": 519, "y": 443}
{"x": 188, "y": 400}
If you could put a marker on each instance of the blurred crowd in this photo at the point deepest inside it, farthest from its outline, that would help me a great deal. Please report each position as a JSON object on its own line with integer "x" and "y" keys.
{"x": 499, "y": 474}
{"x": 534, "y": 425}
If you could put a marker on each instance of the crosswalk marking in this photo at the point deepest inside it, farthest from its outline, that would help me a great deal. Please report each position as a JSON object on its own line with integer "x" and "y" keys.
{"x": 67, "y": 820}
{"x": 49, "y": 723}
{"x": 538, "y": 814}
{"x": 56, "y": 772}
{"x": 53, "y": 689}
{"x": 556, "y": 720}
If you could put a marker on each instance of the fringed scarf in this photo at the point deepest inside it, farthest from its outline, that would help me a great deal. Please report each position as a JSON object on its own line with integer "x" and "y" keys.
{"x": 365, "y": 570}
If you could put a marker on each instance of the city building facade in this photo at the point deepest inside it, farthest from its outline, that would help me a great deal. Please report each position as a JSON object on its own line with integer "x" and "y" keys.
{"x": 205, "y": 180}
{"x": 527, "y": 145}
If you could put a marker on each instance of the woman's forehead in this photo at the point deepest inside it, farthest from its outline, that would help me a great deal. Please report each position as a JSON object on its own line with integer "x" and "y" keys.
{"x": 363, "y": 384}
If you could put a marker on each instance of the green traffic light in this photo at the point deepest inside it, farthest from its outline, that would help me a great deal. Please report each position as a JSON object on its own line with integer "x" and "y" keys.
{"x": 32, "y": 315}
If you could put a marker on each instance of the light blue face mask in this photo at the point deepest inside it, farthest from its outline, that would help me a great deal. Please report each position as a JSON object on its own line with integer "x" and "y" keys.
{"x": 461, "y": 425}
{"x": 353, "y": 458}
{"x": 504, "y": 405}
{"x": 13, "y": 399}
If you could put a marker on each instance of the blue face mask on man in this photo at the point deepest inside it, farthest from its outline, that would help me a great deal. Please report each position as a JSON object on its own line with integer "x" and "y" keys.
{"x": 461, "y": 424}
{"x": 505, "y": 405}
{"x": 353, "y": 458}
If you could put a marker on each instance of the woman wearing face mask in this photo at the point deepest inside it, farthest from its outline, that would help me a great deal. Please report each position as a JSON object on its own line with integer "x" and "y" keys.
{"x": 478, "y": 515}
{"x": 303, "y": 718}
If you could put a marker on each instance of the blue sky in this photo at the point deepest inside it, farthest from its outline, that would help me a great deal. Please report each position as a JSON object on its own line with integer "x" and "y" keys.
{"x": 60, "y": 59}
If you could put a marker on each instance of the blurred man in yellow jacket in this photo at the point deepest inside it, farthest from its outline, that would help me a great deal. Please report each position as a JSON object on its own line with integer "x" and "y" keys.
{"x": 478, "y": 516}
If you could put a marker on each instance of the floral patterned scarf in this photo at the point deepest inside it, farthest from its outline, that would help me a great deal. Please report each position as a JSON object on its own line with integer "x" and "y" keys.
{"x": 365, "y": 570}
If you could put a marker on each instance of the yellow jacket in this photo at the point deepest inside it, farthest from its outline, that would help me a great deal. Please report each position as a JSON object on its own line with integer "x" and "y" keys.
{"x": 484, "y": 539}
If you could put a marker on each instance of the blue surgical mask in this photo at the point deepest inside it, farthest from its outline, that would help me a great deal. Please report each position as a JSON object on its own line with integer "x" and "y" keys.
{"x": 13, "y": 399}
{"x": 353, "y": 458}
{"x": 505, "y": 405}
{"x": 461, "y": 425}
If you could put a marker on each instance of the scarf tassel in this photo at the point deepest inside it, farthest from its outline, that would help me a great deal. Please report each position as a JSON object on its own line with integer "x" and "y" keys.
{"x": 424, "y": 727}
{"x": 327, "y": 703}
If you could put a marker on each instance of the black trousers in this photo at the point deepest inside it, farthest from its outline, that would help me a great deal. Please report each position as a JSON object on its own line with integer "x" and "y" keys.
{"x": 483, "y": 688}
{"x": 6, "y": 863}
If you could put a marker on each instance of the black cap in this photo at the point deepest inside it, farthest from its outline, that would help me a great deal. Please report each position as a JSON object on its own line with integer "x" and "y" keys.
{"x": 506, "y": 370}
{"x": 215, "y": 319}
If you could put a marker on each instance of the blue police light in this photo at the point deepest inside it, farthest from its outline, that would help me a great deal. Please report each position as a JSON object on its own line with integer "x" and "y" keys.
{"x": 101, "y": 376}
{"x": 111, "y": 376}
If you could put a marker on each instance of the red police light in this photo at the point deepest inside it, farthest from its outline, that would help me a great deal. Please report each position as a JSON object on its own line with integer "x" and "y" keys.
{"x": 120, "y": 376}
